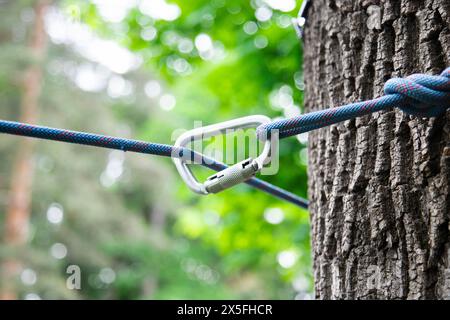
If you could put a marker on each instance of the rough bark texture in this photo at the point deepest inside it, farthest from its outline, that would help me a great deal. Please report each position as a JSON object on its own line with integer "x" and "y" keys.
{"x": 18, "y": 209}
{"x": 379, "y": 185}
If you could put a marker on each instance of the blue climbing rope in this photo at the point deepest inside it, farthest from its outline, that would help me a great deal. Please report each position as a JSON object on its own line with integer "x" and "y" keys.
{"x": 419, "y": 95}
{"x": 97, "y": 140}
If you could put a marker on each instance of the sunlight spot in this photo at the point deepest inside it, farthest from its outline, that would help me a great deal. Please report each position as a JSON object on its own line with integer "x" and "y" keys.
{"x": 179, "y": 65}
{"x": 114, "y": 168}
{"x": 282, "y": 5}
{"x": 300, "y": 284}
{"x": 299, "y": 81}
{"x": 303, "y": 296}
{"x": 90, "y": 78}
{"x": 167, "y": 102}
{"x": 291, "y": 111}
{"x": 287, "y": 258}
{"x": 152, "y": 89}
{"x": 303, "y": 154}
{"x": 58, "y": 251}
{"x": 274, "y": 215}
{"x": 203, "y": 42}
{"x": 234, "y": 9}
{"x": 105, "y": 180}
{"x": 263, "y": 14}
{"x": 282, "y": 98}
{"x": 303, "y": 137}
{"x": 114, "y": 10}
{"x": 250, "y": 27}
{"x": 32, "y": 296}
{"x": 170, "y": 38}
{"x": 185, "y": 45}
{"x": 284, "y": 21}
{"x": 55, "y": 213}
{"x": 119, "y": 87}
{"x": 261, "y": 42}
{"x": 149, "y": 33}
{"x": 107, "y": 275}
{"x": 182, "y": 66}
{"x": 112, "y": 56}
{"x": 160, "y": 9}
{"x": 28, "y": 277}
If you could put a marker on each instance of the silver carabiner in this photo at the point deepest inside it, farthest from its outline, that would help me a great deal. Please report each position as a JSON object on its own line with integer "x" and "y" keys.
{"x": 232, "y": 175}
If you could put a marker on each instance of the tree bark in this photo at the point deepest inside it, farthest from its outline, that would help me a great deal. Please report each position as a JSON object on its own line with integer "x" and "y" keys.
{"x": 19, "y": 201}
{"x": 378, "y": 185}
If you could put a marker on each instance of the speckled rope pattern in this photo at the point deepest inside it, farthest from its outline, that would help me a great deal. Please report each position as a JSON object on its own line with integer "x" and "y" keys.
{"x": 419, "y": 95}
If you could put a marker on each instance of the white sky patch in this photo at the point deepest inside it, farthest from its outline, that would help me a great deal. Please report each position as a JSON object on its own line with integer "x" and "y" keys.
{"x": 105, "y": 52}
{"x": 119, "y": 87}
{"x": 114, "y": 10}
{"x": 282, "y": 5}
{"x": 160, "y": 9}
{"x": 91, "y": 78}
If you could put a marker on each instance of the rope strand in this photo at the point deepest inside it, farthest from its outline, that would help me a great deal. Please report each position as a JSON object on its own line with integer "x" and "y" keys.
{"x": 419, "y": 95}
{"x": 102, "y": 141}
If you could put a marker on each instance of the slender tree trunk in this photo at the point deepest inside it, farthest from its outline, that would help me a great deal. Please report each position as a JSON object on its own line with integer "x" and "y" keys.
{"x": 379, "y": 185}
{"x": 19, "y": 202}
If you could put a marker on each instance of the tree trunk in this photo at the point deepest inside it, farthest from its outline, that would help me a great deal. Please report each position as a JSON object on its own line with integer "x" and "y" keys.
{"x": 18, "y": 209}
{"x": 378, "y": 185}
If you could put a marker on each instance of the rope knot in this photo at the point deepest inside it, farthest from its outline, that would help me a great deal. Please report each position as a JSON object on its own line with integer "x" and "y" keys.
{"x": 421, "y": 95}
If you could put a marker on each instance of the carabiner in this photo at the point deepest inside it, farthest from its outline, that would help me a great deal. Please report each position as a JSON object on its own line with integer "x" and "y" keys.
{"x": 232, "y": 175}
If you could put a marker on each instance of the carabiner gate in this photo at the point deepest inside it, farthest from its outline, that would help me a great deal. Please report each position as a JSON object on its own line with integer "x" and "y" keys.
{"x": 232, "y": 175}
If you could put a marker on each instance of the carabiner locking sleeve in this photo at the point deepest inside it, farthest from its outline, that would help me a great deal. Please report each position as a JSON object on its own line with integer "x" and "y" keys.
{"x": 233, "y": 175}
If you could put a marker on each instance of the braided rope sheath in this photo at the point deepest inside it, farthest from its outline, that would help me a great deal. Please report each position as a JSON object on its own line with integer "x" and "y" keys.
{"x": 165, "y": 150}
{"x": 419, "y": 94}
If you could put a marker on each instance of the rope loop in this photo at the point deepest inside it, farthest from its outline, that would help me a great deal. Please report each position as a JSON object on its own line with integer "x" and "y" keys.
{"x": 422, "y": 95}
{"x": 419, "y": 94}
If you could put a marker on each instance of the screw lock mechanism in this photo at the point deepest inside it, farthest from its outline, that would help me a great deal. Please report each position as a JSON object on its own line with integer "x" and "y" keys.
{"x": 231, "y": 176}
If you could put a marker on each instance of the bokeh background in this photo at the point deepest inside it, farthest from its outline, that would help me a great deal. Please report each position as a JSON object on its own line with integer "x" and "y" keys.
{"x": 144, "y": 69}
